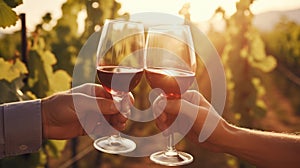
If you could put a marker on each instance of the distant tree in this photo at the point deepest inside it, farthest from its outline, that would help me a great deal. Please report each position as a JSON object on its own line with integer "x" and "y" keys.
{"x": 244, "y": 59}
{"x": 284, "y": 43}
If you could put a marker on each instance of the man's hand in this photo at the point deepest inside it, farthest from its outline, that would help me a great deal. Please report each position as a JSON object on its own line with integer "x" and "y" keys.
{"x": 194, "y": 109}
{"x": 82, "y": 110}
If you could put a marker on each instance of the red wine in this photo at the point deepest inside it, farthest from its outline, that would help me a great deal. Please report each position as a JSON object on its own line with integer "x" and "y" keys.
{"x": 117, "y": 79}
{"x": 173, "y": 82}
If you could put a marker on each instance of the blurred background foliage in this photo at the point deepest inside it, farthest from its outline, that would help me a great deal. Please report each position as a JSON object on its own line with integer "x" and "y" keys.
{"x": 262, "y": 71}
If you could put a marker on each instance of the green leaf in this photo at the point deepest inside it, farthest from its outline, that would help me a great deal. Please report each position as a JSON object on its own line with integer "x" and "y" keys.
{"x": 10, "y": 71}
{"x": 59, "y": 81}
{"x": 265, "y": 65}
{"x": 38, "y": 78}
{"x": 55, "y": 147}
{"x": 5, "y": 69}
{"x": 13, "y": 3}
{"x": 7, "y": 15}
{"x": 20, "y": 66}
{"x": 48, "y": 57}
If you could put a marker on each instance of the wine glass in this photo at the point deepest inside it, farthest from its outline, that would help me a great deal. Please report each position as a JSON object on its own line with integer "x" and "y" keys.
{"x": 119, "y": 70}
{"x": 170, "y": 65}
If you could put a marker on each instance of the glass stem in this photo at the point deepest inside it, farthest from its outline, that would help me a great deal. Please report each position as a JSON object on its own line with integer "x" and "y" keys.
{"x": 171, "y": 150}
{"x": 115, "y": 140}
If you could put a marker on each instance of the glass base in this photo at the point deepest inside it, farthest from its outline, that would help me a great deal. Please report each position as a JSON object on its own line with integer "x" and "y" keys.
{"x": 180, "y": 158}
{"x": 122, "y": 145}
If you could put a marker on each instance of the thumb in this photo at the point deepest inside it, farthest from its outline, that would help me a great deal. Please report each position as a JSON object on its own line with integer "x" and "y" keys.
{"x": 159, "y": 105}
{"x": 126, "y": 104}
{"x": 192, "y": 96}
{"x": 84, "y": 103}
{"x": 182, "y": 106}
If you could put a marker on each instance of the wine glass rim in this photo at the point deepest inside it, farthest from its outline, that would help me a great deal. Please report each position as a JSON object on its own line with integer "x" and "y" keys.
{"x": 165, "y": 26}
{"x": 121, "y": 21}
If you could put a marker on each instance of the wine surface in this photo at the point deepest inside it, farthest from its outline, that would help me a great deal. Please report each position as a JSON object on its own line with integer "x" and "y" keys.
{"x": 173, "y": 82}
{"x": 119, "y": 78}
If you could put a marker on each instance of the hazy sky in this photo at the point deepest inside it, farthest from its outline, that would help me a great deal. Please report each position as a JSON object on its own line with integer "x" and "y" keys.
{"x": 203, "y": 9}
{"x": 200, "y": 9}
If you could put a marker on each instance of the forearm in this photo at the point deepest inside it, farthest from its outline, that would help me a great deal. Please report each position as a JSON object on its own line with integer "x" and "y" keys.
{"x": 20, "y": 128}
{"x": 263, "y": 149}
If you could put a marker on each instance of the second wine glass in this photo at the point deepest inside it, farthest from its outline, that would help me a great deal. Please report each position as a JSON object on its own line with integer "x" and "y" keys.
{"x": 119, "y": 70}
{"x": 170, "y": 65}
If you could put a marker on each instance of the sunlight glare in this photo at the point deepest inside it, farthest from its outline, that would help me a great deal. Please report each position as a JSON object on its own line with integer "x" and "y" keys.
{"x": 204, "y": 10}
{"x": 199, "y": 10}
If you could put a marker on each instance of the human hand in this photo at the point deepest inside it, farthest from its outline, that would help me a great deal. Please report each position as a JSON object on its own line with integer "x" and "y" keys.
{"x": 194, "y": 109}
{"x": 78, "y": 111}
{"x": 248, "y": 144}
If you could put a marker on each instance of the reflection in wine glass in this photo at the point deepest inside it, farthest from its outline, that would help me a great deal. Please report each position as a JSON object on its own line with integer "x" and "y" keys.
{"x": 119, "y": 70}
{"x": 170, "y": 65}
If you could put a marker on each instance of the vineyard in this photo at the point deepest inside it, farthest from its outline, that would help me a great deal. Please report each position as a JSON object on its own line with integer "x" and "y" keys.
{"x": 262, "y": 72}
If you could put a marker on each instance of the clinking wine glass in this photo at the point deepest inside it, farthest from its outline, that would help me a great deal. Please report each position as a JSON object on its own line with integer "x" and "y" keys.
{"x": 170, "y": 65}
{"x": 119, "y": 70}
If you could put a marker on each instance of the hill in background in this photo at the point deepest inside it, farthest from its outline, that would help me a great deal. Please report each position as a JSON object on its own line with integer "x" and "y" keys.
{"x": 263, "y": 21}
{"x": 267, "y": 20}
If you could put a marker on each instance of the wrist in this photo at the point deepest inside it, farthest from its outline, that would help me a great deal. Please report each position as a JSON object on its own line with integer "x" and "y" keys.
{"x": 223, "y": 137}
{"x": 230, "y": 139}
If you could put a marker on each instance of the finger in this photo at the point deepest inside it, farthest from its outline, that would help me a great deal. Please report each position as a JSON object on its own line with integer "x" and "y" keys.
{"x": 99, "y": 91}
{"x": 161, "y": 125}
{"x": 196, "y": 98}
{"x": 174, "y": 107}
{"x": 115, "y": 122}
{"x": 164, "y": 127}
{"x": 90, "y": 122}
{"x": 129, "y": 97}
{"x": 159, "y": 105}
{"x": 82, "y": 132}
{"x": 163, "y": 117}
{"x": 204, "y": 102}
{"x": 115, "y": 118}
{"x": 192, "y": 96}
{"x": 91, "y": 89}
{"x": 85, "y": 103}
{"x": 87, "y": 88}
{"x": 120, "y": 126}
{"x": 154, "y": 94}
{"x": 169, "y": 106}
{"x": 126, "y": 104}
{"x": 121, "y": 118}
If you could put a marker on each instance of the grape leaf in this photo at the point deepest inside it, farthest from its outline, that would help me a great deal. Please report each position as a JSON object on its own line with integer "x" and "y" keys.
{"x": 20, "y": 66}
{"x": 48, "y": 57}
{"x": 13, "y": 3}
{"x": 11, "y": 71}
{"x": 7, "y": 15}
{"x": 59, "y": 81}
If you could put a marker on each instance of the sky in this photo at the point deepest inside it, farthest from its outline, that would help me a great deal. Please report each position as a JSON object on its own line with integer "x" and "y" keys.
{"x": 201, "y": 10}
